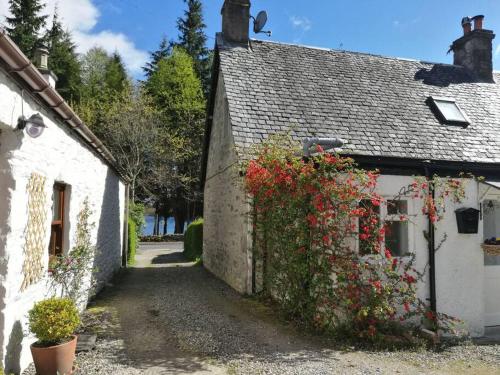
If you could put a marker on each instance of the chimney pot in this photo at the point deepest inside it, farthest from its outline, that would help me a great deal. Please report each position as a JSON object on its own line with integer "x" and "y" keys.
{"x": 478, "y": 22}
{"x": 466, "y": 24}
{"x": 42, "y": 57}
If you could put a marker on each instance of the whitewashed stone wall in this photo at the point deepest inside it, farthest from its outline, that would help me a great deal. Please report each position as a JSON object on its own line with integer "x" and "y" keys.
{"x": 226, "y": 232}
{"x": 60, "y": 156}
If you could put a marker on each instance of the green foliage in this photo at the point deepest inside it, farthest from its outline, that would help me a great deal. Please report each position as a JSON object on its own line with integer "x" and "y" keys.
{"x": 164, "y": 50}
{"x": 320, "y": 243}
{"x": 193, "y": 240}
{"x": 115, "y": 75}
{"x": 132, "y": 241}
{"x": 136, "y": 212}
{"x": 64, "y": 61}
{"x": 72, "y": 273}
{"x": 176, "y": 90}
{"x": 26, "y": 23}
{"x": 193, "y": 39}
{"x": 53, "y": 320}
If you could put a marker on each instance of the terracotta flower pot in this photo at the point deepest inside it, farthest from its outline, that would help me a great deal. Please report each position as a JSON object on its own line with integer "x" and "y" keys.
{"x": 54, "y": 360}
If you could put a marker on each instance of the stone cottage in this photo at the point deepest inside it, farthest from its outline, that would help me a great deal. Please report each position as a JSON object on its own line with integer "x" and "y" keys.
{"x": 50, "y": 162}
{"x": 404, "y": 117}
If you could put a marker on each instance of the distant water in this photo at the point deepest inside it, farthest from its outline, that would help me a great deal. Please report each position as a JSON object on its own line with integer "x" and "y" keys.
{"x": 150, "y": 223}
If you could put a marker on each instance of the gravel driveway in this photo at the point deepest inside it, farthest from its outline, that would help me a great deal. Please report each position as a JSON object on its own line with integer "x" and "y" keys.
{"x": 166, "y": 316}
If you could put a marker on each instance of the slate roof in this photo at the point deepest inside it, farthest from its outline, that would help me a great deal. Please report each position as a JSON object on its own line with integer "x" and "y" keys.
{"x": 378, "y": 104}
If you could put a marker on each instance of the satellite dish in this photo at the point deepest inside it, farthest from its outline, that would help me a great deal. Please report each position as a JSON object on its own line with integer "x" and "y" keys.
{"x": 260, "y": 22}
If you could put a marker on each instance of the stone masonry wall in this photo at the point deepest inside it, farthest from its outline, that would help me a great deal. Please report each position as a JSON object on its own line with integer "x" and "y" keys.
{"x": 226, "y": 231}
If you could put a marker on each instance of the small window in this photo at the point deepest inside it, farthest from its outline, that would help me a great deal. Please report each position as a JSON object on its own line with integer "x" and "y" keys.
{"x": 58, "y": 224}
{"x": 448, "y": 111}
{"x": 393, "y": 216}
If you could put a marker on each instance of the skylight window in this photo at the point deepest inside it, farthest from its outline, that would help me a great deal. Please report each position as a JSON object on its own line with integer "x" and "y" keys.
{"x": 448, "y": 111}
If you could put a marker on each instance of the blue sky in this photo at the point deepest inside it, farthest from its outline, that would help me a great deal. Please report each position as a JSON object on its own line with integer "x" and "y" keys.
{"x": 422, "y": 29}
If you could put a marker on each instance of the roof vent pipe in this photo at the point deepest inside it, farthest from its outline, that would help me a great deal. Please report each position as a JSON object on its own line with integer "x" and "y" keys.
{"x": 328, "y": 143}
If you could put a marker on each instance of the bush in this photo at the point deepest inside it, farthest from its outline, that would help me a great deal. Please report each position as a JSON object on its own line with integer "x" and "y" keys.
{"x": 53, "y": 320}
{"x": 136, "y": 212}
{"x": 132, "y": 241}
{"x": 193, "y": 240}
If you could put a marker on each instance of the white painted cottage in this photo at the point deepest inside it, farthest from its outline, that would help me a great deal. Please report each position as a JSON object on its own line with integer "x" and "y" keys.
{"x": 44, "y": 180}
{"x": 404, "y": 117}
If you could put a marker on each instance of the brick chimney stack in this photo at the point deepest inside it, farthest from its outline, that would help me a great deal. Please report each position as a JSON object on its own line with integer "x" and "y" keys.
{"x": 236, "y": 21}
{"x": 474, "y": 50}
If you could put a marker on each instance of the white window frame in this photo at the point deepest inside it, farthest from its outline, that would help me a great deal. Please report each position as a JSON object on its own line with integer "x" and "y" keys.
{"x": 384, "y": 216}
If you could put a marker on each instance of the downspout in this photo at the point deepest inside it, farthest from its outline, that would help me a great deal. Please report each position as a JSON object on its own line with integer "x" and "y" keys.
{"x": 125, "y": 227}
{"x": 432, "y": 248}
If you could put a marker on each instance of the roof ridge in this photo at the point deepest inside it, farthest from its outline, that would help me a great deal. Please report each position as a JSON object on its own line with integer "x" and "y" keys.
{"x": 355, "y": 52}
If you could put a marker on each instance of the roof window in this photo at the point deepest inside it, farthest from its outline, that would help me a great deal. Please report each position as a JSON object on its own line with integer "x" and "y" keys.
{"x": 448, "y": 111}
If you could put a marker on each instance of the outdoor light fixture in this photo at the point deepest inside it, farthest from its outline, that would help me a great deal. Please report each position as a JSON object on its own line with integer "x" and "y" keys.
{"x": 34, "y": 125}
{"x": 327, "y": 143}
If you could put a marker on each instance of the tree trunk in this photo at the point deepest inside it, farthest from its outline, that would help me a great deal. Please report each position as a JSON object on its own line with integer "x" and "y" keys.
{"x": 180, "y": 219}
{"x": 164, "y": 225}
{"x": 157, "y": 224}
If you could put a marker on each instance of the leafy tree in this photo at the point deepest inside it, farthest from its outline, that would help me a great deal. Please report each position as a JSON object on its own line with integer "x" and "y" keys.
{"x": 131, "y": 134}
{"x": 64, "y": 61}
{"x": 25, "y": 24}
{"x": 193, "y": 39}
{"x": 94, "y": 64}
{"x": 178, "y": 94}
{"x": 163, "y": 51}
{"x": 115, "y": 75}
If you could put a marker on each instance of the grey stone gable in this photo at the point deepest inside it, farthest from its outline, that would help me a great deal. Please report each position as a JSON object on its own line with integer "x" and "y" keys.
{"x": 378, "y": 104}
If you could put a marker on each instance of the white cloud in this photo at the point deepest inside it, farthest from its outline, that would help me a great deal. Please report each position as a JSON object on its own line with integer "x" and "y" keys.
{"x": 301, "y": 23}
{"x": 497, "y": 51}
{"x": 111, "y": 42}
{"x": 80, "y": 17}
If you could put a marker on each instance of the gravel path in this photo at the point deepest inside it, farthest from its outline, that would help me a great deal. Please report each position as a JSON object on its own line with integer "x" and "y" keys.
{"x": 166, "y": 316}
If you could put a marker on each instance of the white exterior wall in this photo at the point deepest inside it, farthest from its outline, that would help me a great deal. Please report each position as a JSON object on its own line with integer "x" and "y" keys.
{"x": 459, "y": 261}
{"x": 60, "y": 156}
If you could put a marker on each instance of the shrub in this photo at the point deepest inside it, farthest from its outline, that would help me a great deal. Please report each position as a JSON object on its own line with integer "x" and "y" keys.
{"x": 53, "y": 320}
{"x": 136, "y": 212}
{"x": 132, "y": 241}
{"x": 193, "y": 240}
{"x": 163, "y": 238}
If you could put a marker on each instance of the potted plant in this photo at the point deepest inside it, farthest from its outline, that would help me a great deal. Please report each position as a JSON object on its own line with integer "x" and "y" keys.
{"x": 53, "y": 321}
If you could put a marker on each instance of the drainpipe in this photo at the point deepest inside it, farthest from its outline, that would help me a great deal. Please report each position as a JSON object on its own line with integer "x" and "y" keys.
{"x": 125, "y": 227}
{"x": 432, "y": 249}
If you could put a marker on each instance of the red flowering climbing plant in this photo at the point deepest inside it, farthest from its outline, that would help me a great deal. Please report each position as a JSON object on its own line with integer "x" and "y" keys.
{"x": 312, "y": 219}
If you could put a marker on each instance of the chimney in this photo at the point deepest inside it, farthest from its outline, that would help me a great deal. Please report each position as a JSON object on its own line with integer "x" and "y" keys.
{"x": 42, "y": 63}
{"x": 474, "y": 49}
{"x": 236, "y": 21}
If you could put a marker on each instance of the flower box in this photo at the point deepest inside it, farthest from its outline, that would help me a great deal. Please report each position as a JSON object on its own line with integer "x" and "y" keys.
{"x": 491, "y": 249}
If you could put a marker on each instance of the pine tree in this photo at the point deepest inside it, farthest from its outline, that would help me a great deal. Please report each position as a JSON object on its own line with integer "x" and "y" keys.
{"x": 193, "y": 39}
{"x": 115, "y": 75}
{"x": 25, "y": 24}
{"x": 163, "y": 51}
{"x": 63, "y": 61}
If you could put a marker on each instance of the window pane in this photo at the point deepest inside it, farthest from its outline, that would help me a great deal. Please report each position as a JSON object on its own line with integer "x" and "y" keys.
{"x": 56, "y": 208}
{"x": 397, "y": 207}
{"x": 396, "y": 237}
{"x": 449, "y": 110}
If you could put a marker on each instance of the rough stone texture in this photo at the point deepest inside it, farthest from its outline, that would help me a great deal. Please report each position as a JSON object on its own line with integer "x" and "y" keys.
{"x": 226, "y": 233}
{"x": 235, "y": 20}
{"x": 475, "y": 52}
{"x": 59, "y": 156}
{"x": 377, "y": 104}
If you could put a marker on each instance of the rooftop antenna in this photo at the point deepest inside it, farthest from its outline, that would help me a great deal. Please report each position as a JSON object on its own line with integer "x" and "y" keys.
{"x": 259, "y": 22}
